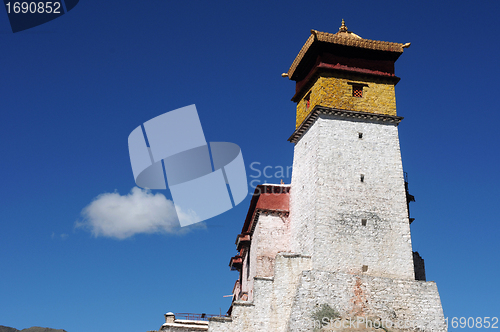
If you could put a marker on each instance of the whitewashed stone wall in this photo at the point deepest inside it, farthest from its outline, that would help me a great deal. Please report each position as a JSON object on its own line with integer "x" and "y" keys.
{"x": 288, "y": 269}
{"x": 288, "y": 301}
{"x": 271, "y": 235}
{"x": 409, "y": 305}
{"x": 362, "y": 270}
{"x": 329, "y": 200}
{"x": 272, "y": 302}
{"x": 304, "y": 203}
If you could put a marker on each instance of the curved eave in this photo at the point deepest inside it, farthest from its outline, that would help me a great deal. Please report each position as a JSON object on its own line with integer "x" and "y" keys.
{"x": 317, "y": 37}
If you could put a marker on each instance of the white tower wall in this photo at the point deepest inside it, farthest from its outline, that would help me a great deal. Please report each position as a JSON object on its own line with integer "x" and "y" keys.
{"x": 329, "y": 201}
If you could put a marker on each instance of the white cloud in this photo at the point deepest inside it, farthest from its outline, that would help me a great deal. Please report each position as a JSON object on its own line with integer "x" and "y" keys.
{"x": 114, "y": 215}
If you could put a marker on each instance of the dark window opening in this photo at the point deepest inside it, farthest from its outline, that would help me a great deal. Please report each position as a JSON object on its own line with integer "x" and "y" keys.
{"x": 360, "y": 135}
{"x": 362, "y": 178}
{"x": 357, "y": 91}
{"x": 364, "y": 268}
{"x": 363, "y": 222}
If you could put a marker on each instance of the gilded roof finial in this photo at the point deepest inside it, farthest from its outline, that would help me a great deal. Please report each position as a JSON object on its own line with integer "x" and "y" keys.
{"x": 343, "y": 28}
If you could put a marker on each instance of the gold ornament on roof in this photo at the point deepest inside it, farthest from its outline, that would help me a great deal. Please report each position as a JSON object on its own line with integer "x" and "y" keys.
{"x": 343, "y": 28}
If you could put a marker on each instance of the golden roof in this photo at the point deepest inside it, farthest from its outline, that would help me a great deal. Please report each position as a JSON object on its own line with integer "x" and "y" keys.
{"x": 345, "y": 38}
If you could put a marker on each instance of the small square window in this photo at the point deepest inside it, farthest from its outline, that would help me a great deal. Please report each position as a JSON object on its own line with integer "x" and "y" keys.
{"x": 357, "y": 91}
{"x": 363, "y": 222}
{"x": 360, "y": 135}
{"x": 364, "y": 268}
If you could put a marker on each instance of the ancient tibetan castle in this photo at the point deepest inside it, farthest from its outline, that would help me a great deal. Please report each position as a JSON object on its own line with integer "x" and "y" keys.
{"x": 332, "y": 250}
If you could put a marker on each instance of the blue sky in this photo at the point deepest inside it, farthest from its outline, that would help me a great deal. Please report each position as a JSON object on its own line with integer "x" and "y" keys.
{"x": 73, "y": 89}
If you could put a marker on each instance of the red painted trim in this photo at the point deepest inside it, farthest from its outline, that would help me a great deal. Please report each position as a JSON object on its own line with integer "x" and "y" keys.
{"x": 268, "y": 197}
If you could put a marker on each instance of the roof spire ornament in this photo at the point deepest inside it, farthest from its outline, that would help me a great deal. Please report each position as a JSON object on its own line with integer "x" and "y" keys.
{"x": 343, "y": 28}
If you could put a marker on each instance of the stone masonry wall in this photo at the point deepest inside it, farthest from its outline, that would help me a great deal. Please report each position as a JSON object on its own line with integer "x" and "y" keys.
{"x": 353, "y": 225}
{"x": 407, "y": 305}
{"x": 303, "y": 194}
{"x": 272, "y": 302}
{"x": 288, "y": 301}
{"x": 271, "y": 235}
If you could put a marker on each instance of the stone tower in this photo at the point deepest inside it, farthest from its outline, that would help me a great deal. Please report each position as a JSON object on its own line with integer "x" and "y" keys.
{"x": 332, "y": 251}
{"x": 348, "y": 203}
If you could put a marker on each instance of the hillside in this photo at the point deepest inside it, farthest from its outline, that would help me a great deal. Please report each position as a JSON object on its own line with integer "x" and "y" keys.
{"x": 31, "y": 329}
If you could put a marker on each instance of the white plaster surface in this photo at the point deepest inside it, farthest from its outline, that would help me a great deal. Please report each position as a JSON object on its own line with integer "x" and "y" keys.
{"x": 316, "y": 256}
{"x": 329, "y": 201}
